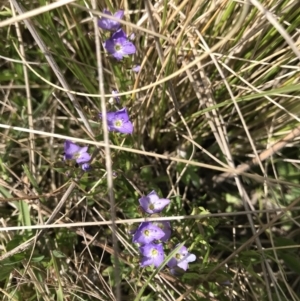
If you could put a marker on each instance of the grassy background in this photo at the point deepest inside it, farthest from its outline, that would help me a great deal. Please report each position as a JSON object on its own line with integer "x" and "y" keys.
{"x": 215, "y": 111}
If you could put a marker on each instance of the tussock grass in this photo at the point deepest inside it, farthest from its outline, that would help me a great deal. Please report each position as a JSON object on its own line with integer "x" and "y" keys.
{"x": 216, "y": 129}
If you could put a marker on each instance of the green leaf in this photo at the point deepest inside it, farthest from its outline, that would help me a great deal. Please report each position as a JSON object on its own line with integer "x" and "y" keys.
{"x": 25, "y": 215}
{"x": 292, "y": 261}
{"x": 109, "y": 272}
{"x": 37, "y": 258}
{"x": 5, "y": 271}
{"x": 58, "y": 254}
{"x": 15, "y": 242}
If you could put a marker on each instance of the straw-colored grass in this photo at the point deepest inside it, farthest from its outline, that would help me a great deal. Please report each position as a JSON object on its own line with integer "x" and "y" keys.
{"x": 215, "y": 109}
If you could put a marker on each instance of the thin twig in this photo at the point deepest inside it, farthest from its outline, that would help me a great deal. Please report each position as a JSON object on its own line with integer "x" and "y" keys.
{"x": 263, "y": 156}
{"x": 108, "y": 163}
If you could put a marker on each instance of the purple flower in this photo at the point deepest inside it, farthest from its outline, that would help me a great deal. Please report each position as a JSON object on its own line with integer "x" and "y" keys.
{"x": 109, "y": 24}
{"x": 85, "y": 166}
{"x": 131, "y": 36}
{"x": 136, "y": 68}
{"x": 147, "y": 233}
{"x": 75, "y": 152}
{"x": 181, "y": 259}
{"x": 152, "y": 203}
{"x": 118, "y": 45}
{"x": 117, "y": 98}
{"x": 153, "y": 254}
{"x": 119, "y": 121}
{"x": 166, "y": 227}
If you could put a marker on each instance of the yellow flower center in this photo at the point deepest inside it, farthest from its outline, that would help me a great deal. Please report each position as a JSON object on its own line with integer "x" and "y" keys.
{"x": 154, "y": 252}
{"x": 118, "y": 123}
{"x": 118, "y": 47}
{"x": 76, "y": 156}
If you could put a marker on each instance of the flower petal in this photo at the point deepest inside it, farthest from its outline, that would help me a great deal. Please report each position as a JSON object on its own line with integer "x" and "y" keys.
{"x": 136, "y": 68}
{"x": 85, "y": 166}
{"x": 128, "y": 48}
{"x": 119, "y": 34}
{"x": 122, "y": 114}
{"x": 183, "y": 264}
{"x": 118, "y": 45}
{"x": 145, "y": 202}
{"x": 152, "y": 203}
{"x": 111, "y": 116}
{"x": 84, "y": 149}
{"x": 83, "y": 158}
{"x": 146, "y": 261}
{"x": 153, "y": 196}
{"x": 70, "y": 149}
{"x": 119, "y": 14}
{"x": 109, "y": 45}
{"x": 127, "y": 128}
{"x": 166, "y": 227}
{"x": 172, "y": 263}
{"x": 117, "y": 98}
{"x": 160, "y": 205}
{"x": 118, "y": 55}
{"x": 190, "y": 257}
{"x": 118, "y": 121}
{"x": 109, "y": 24}
{"x": 147, "y": 233}
{"x": 185, "y": 258}
{"x": 153, "y": 254}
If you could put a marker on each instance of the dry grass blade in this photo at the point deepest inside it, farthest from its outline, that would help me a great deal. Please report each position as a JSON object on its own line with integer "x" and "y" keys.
{"x": 53, "y": 64}
{"x": 214, "y": 109}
